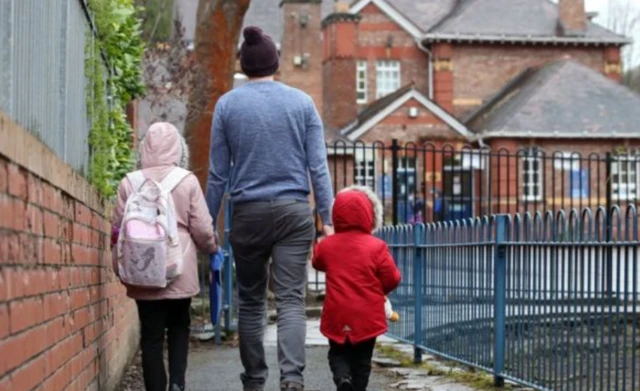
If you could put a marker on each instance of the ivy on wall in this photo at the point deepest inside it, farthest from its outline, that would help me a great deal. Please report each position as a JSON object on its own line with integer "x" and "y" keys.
{"x": 118, "y": 39}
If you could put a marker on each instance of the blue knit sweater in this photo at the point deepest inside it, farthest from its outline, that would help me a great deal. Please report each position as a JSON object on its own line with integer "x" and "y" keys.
{"x": 273, "y": 137}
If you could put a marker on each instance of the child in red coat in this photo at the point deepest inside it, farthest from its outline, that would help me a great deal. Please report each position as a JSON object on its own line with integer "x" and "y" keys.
{"x": 360, "y": 272}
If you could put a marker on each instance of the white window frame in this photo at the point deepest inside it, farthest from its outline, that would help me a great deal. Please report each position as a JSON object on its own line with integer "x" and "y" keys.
{"x": 388, "y": 77}
{"x": 407, "y": 166}
{"x": 361, "y": 82}
{"x": 364, "y": 167}
{"x": 566, "y": 161}
{"x": 530, "y": 158}
{"x": 630, "y": 187}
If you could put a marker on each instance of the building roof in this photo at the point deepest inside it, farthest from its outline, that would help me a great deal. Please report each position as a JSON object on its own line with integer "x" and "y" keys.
{"x": 373, "y": 108}
{"x": 378, "y": 110}
{"x": 266, "y": 14}
{"x": 439, "y": 20}
{"x": 513, "y": 20}
{"x": 415, "y": 16}
{"x": 563, "y": 99}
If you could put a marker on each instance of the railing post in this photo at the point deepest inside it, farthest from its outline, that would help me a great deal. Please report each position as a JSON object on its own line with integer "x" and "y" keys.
{"x": 395, "y": 147}
{"x": 608, "y": 234}
{"x": 418, "y": 261}
{"x": 228, "y": 270}
{"x": 499, "y": 310}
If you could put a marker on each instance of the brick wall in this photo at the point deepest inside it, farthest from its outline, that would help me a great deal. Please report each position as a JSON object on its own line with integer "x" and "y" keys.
{"x": 65, "y": 323}
{"x": 339, "y": 71}
{"x": 380, "y": 38}
{"x": 305, "y": 42}
{"x": 479, "y": 71}
{"x": 400, "y": 126}
{"x": 572, "y": 15}
{"x": 507, "y": 176}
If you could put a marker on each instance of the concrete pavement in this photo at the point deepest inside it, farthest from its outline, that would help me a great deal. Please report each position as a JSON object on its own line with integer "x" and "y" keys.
{"x": 214, "y": 368}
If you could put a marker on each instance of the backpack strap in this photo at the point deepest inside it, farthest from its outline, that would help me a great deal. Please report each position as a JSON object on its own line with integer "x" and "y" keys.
{"x": 136, "y": 179}
{"x": 173, "y": 179}
{"x": 167, "y": 185}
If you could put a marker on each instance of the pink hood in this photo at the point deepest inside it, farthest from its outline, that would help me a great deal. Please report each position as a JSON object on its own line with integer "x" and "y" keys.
{"x": 163, "y": 145}
{"x": 160, "y": 151}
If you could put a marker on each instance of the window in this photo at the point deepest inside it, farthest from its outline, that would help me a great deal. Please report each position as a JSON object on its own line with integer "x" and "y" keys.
{"x": 578, "y": 176}
{"x": 387, "y": 77}
{"x": 532, "y": 176}
{"x": 579, "y": 183}
{"x": 361, "y": 82}
{"x": 406, "y": 176}
{"x": 624, "y": 179}
{"x": 364, "y": 168}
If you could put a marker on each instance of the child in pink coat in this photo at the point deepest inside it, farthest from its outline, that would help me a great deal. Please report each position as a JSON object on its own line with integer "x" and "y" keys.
{"x": 168, "y": 310}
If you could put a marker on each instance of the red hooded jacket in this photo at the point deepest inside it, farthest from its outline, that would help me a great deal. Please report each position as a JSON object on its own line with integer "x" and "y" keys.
{"x": 359, "y": 269}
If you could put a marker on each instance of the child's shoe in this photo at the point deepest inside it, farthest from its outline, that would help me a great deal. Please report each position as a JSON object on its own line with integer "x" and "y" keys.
{"x": 345, "y": 385}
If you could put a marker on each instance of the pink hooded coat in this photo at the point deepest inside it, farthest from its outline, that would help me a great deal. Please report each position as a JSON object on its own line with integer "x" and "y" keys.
{"x": 162, "y": 149}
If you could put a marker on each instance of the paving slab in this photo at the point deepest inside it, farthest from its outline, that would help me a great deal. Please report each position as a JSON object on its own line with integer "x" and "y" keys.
{"x": 214, "y": 368}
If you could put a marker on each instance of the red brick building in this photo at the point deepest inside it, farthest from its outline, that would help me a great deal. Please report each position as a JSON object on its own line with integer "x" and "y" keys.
{"x": 535, "y": 83}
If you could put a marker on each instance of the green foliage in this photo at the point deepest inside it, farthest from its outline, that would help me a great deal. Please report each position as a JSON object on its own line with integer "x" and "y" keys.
{"x": 119, "y": 40}
{"x": 157, "y": 19}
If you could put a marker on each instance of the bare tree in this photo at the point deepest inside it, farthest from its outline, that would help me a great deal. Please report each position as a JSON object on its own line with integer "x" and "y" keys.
{"x": 169, "y": 71}
{"x": 218, "y": 27}
{"x": 623, "y": 17}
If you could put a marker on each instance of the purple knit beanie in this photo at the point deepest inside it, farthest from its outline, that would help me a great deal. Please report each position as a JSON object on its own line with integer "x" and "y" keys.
{"x": 258, "y": 54}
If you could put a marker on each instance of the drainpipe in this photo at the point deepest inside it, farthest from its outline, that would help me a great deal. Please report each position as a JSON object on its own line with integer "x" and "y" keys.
{"x": 487, "y": 176}
{"x": 430, "y": 66}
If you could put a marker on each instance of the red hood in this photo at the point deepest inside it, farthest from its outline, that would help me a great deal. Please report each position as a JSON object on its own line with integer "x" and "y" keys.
{"x": 353, "y": 211}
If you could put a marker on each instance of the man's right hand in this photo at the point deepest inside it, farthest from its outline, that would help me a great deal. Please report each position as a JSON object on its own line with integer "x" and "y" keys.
{"x": 328, "y": 230}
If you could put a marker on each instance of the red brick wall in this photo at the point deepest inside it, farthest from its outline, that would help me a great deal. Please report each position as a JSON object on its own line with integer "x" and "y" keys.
{"x": 572, "y": 14}
{"x": 482, "y": 70}
{"x": 375, "y": 29}
{"x": 339, "y": 71}
{"x": 400, "y": 126}
{"x": 65, "y": 323}
{"x": 506, "y": 177}
{"x": 299, "y": 41}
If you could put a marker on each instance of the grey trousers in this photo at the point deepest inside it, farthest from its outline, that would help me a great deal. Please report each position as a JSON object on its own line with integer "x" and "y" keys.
{"x": 282, "y": 230}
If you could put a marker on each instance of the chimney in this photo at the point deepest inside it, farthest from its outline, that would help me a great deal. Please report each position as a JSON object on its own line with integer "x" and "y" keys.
{"x": 301, "y": 47}
{"x": 339, "y": 67}
{"x": 573, "y": 18}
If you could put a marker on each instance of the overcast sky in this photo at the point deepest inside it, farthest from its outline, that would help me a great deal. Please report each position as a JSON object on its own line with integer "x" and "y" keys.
{"x": 602, "y": 7}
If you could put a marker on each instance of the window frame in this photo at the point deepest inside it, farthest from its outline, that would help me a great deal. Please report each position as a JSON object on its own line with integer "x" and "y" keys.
{"x": 364, "y": 162}
{"x": 407, "y": 170}
{"x": 361, "y": 66}
{"x": 387, "y": 68}
{"x": 631, "y": 161}
{"x": 531, "y": 157}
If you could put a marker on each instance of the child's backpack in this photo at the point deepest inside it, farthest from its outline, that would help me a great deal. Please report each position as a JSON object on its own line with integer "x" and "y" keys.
{"x": 148, "y": 249}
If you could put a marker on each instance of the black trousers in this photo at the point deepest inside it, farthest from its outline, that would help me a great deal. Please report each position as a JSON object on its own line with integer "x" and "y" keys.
{"x": 155, "y": 317}
{"x": 352, "y": 361}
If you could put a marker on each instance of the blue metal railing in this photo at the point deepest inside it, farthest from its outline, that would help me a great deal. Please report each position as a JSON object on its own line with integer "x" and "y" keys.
{"x": 548, "y": 301}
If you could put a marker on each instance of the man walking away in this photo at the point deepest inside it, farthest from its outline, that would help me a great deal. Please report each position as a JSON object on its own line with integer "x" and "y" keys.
{"x": 273, "y": 136}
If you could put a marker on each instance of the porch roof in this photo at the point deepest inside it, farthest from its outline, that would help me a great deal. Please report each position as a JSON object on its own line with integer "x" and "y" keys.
{"x": 563, "y": 99}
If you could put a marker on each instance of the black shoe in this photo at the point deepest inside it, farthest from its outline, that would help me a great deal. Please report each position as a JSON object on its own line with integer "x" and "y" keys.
{"x": 345, "y": 385}
{"x": 175, "y": 387}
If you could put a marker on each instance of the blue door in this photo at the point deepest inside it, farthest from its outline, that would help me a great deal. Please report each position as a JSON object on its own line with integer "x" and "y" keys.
{"x": 457, "y": 197}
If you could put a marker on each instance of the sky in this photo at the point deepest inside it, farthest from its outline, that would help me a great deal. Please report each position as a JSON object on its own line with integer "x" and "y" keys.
{"x": 603, "y": 6}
